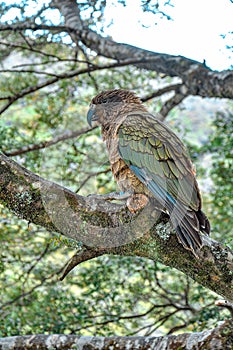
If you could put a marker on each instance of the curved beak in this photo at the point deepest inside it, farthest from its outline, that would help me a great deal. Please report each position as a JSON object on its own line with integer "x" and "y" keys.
{"x": 91, "y": 116}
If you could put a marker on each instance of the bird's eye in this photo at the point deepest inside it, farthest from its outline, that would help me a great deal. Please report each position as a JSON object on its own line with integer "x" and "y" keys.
{"x": 104, "y": 100}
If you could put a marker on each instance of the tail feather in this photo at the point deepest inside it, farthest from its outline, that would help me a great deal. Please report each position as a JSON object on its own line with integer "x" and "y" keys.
{"x": 189, "y": 242}
{"x": 188, "y": 227}
{"x": 187, "y": 222}
{"x": 203, "y": 221}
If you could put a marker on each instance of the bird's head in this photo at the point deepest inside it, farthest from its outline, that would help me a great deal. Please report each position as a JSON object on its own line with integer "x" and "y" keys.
{"x": 106, "y": 106}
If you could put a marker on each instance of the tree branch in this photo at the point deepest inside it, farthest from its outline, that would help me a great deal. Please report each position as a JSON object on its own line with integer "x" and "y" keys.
{"x": 198, "y": 79}
{"x": 180, "y": 93}
{"x": 31, "y": 71}
{"x": 19, "y": 27}
{"x": 69, "y": 134}
{"x": 171, "y": 103}
{"x": 109, "y": 228}
{"x": 65, "y": 75}
{"x": 162, "y": 91}
{"x": 78, "y": 258}
{"x": 54, "y": 58}
{"x": 217, "y": 338}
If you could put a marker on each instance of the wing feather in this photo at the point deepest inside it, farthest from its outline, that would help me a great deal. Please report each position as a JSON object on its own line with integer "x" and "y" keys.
{"x": 160, "y": 161}
{"x": 157, "y": 150}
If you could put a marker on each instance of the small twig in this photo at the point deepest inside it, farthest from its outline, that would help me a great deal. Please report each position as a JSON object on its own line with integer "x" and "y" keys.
{"x": 171, "y": 103}
{"x": 90, "y": 175}
{"x": 225, "y": 304}
{"x": 25, "y": 40}
{"x": 161, "y": 321}
{"x": 116, "y": 318}
{"x": 38, "y": 259}
{"x": 84, "y": 255}
{"x": 67, "y": 135}
{"x": 32, "y": 49}
{"x": 177, "y": 328}
{"x": 30, "y": 71}
{"x": 29, "y": 292}
{"x": 161, "y": 91}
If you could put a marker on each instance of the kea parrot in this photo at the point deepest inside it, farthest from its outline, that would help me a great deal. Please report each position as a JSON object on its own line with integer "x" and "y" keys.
{"x": 149, "y": 162}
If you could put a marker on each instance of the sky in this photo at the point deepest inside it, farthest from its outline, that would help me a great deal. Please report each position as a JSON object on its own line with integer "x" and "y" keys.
{"x": 194, "y": 31}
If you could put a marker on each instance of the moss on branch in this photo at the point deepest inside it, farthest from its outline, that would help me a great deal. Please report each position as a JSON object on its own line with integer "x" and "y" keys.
{"x": 105, "y": 227}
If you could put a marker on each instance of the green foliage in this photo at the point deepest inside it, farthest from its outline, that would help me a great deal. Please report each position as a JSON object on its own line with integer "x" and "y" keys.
{"x": 108, "y": 295}
{"x": 220, "y": 146}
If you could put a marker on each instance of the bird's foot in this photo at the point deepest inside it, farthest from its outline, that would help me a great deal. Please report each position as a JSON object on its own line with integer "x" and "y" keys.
{"x": 136, "y": 202}
{"x": 113, "y": 196}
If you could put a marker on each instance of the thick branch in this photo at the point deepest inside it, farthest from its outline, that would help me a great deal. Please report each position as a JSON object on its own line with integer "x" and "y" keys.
{"x": 64, "y": 75}
{"x": 171, "y": 103}
{"x": 218, "y": 338}
{"x": 198, "y": 78}
{"x": 110, "y": 228}
{"x": 164, "y": 90}
{"x": 180, "y": 93}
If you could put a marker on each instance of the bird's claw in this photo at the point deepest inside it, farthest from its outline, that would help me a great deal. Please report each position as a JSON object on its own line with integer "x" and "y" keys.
{"x": 136, "y": 202}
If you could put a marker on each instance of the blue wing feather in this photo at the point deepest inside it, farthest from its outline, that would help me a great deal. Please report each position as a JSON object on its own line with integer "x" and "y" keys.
{"x": 159, "y": 192}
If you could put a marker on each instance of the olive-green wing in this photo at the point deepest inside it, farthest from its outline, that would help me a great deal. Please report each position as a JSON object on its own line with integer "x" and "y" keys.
{"x": 152, "y": 150}
{"x": 160, "y": 161}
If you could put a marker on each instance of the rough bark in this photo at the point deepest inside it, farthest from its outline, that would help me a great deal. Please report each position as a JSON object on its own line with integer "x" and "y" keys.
{"x": 218, "y": 338}
{"x": 197, "y": 78}
{"x": 104, "y": 227}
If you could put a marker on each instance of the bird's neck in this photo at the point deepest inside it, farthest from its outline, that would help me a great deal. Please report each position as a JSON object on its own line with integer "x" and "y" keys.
{"x": 109, "y": 130}
{"x": 114, "y": 120}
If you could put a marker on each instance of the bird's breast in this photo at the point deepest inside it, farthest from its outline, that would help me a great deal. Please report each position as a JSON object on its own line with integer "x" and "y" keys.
{"x": 125, "y": 178}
